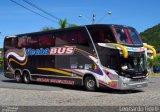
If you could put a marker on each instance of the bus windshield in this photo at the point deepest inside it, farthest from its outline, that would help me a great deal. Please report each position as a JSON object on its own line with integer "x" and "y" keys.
{"x": 127, "y": 36}
{"x": 134, "y": 63}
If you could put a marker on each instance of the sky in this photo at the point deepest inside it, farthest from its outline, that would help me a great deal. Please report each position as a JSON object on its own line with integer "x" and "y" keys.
{"x": 14, "y": 19}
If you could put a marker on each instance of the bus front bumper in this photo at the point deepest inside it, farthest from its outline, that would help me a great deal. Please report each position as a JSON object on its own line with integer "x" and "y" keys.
{"x": 127, "y": 83}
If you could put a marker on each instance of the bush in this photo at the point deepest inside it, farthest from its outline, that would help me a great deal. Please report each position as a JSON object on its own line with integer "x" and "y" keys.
{"x": 153, "y": 64}
{"x": 157, "y": 61}
{"x": 1, "y": 61}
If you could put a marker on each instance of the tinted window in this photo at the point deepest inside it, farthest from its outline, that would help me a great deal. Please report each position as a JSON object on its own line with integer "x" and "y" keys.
{"x": 108, "y": 57}
{"x": 8, "y": 42}
{"x": 135, "y": 36}
{"x": 33, "y": 41}
{"x": 11, "y": 42}
{"x": 28, "y": 41}
{"x": 122, "y": 36}
{"x": 70, "y": 37}
{"x": 61, "y": 38}
{"x": 79, "y": 37}
{"x": 126, "y": 35}
{"x": 22, "y": 42}
{"x": 101, "y": 34}
{"x": 47, "y": 40}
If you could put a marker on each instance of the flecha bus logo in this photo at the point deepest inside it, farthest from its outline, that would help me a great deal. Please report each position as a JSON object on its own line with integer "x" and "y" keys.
{"x": 69, "y": 50}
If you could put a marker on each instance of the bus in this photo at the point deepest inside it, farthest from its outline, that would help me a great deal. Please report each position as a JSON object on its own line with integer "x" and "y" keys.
{"x": 93, "y": 56}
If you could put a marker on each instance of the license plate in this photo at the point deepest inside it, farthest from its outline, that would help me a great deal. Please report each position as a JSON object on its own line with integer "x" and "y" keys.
{"x": 139, "y": 86}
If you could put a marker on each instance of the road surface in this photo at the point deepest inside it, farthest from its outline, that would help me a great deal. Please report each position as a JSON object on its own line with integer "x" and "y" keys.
{"x": 36, "y": 94}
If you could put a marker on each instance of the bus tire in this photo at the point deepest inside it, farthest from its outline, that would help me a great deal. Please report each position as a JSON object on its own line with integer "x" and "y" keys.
{"x": 90, "y": 83}
{"x": 26, "y": 78}
{"x": 18, "y": 77}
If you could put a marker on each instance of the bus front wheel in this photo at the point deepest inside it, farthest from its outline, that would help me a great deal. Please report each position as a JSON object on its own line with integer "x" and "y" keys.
{"x": 26, "y": 78}
{"x": 90, "y": 83}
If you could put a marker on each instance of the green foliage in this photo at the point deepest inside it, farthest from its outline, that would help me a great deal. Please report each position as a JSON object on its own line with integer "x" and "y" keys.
{"x": 1, "y": 61}
{"x": 152, "y": 36}
{"x": 154, "y": 62}
{"x": 150, "y": 61}
{"x": 63, "y": 23}
{"x": 47, "y": 28}
{"x": 157, "y": 60}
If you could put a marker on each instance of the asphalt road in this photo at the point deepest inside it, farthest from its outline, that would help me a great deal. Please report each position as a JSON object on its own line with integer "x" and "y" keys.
{"x": 36, "y": 94}
{"x": 11, "y": 83}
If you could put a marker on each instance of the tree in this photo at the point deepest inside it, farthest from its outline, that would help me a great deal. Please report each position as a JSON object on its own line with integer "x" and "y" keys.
{"x": 152, "y": 36}
{"x": 153, "y": 62}
{"x": 1, "y": 61}
{"x": 63, "y": 23}
{"x": 46, "y": 28}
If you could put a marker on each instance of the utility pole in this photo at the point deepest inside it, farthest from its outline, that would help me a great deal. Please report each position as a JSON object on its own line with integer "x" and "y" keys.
{"x": 94, "y": 18}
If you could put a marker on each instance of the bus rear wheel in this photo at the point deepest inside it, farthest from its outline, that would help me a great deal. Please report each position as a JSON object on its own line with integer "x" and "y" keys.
{"x": 18, "y": 77}
{"x": 90, "y": 83}
{"x": 26, "y": 78}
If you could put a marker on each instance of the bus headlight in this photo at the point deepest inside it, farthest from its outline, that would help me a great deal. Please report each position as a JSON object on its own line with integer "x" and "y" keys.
{"x": 124, "y": 67}
{"x": 125, "y": 79}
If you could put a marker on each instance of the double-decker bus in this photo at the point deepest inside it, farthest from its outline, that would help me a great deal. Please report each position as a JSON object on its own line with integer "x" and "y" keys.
{"x": 92, "y": 56}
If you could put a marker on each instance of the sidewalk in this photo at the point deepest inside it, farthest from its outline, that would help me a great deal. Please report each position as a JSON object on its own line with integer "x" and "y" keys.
{"x": 155, "y": 74}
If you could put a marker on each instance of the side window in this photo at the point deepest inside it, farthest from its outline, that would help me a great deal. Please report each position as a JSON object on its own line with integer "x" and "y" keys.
{"x": 33, "y": 41}
{"x": 14, "y": 42}
{"x": 61, "y": 39}
{"x": 11, "y": 42}
{"x": 101, "y": 35}
{"x": 73, "y": 37}
{"x": 22, "y": 42}
{"x": 108, "y": 36}
{"x": 28, "y": 41}
{"x": 83, "y": 38}
{"x": 79, "y": 37}
{"x": 46, "y": 40}
{"x": 8, "y": 43}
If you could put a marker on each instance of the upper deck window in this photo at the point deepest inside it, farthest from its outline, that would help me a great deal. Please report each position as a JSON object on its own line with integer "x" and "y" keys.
{"x": 46, "y": 40}
{"x": 22, "y": 42}
{"x": 101, "y": 34}
{"x": 77, "y": 36}
{"x": 126, "y": 35}
{"x": 11, "y": 42}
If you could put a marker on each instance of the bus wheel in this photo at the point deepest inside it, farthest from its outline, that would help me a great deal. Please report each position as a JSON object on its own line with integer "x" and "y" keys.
{"x": 18, "y": 77}
{"x": 90, "y": 83}
{"x": 26, "y": 78}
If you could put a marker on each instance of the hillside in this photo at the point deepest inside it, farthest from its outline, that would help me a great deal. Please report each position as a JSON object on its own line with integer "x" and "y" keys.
{"x": 152, "y": 36}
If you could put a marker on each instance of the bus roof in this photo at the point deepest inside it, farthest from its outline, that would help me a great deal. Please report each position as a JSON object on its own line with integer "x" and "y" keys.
{"x": 42, "y": 32}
